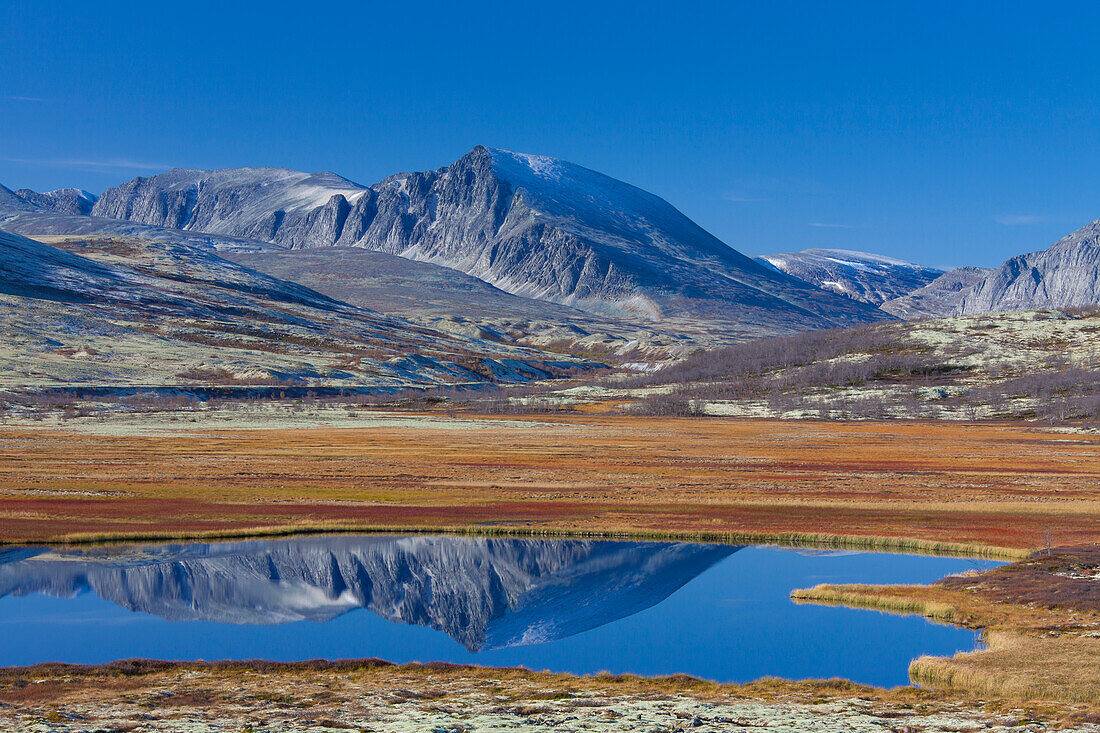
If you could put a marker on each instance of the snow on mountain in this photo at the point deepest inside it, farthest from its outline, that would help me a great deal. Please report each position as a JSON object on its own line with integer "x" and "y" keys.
{"x": 938, "y": 298}
{"x": 862, "y": 276}
{"x": 1065, "y": 274}
{"x": 63, "y": 200}
{"x": 530, "y": 225}
{"x": 270, "y": 204}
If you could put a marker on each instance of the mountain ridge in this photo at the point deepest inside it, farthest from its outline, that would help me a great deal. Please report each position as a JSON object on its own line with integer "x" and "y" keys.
{"x": 1063, "y": 275}
{"x": 863, "y": 276}
{"x": 531, "y": 226}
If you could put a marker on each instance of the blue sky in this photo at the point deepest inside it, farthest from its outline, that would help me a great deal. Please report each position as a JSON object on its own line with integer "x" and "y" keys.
{"x": 945, "y": 133}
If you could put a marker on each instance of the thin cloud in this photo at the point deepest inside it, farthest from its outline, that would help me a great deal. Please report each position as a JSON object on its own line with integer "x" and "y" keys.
{"x": 1019, "y": 220}
{"x": 832, "y": 225}
{"x": 738, "y": 199}
{"x": 108, "y": 163}
{"x": 16, "y": 98}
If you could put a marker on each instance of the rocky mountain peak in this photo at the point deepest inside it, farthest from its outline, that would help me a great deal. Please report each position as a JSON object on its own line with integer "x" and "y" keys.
{"x": 531, "y": 225}
{"x": 1065, "y": 274}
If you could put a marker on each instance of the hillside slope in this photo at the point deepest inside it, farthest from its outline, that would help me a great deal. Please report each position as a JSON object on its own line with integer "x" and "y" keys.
{"x": 450, "y": 300}
{"x": 122, "y": 314}
{"x": 428, "y": 294}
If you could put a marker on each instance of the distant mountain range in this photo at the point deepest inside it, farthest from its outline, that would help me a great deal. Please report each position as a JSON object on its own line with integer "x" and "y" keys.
{"x": 531, "y": 226}
{"x": 1065, "y": 274}
{"x": 941, "y": 297}
{"x": 861, "y": 276}
{"x": 501, "y": 249}
{"x": 64, "y": 200}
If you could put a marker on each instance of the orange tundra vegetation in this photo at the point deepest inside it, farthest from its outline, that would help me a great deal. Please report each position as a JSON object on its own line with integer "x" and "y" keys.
{"x": 915, "y": 485}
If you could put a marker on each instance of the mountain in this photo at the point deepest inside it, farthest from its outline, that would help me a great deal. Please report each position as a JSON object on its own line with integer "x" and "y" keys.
{"x": 529, "y": 225}
{"x": 1065, "y": 274}
{"x": 484, "y": 593}
{"x": 11, "y": 204}
{"x": 31, "y": 216}
{"x": 127, "y": 314}
{"x": 64, "y": 200}
{"x": 268, "y": 204}
{"x": 941, "y": 297}
{"x": 427, "y": 294}
{"x": 862, "y": 276}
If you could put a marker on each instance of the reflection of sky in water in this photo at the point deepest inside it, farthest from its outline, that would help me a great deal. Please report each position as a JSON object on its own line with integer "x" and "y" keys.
{"x": 580, "y": 607}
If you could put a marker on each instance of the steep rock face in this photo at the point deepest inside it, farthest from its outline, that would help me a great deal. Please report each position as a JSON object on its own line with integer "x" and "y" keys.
{"x": 483, "y": 593}
{"x": 1066, "y": 274}
{"x": 862, "y": 276}
{"x": 532, "y": 226}
{"x": 938, "y": 298}
{"x": 269, "y": 204}
{"x": 64, "y": 200}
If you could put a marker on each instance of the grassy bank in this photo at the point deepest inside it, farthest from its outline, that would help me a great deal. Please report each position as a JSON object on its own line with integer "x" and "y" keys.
{"x": 1040, "y": 619}
{"x": 787, "y": 539}
{"x": 372, "y": 694}
{"x": 1019, "y": 666}
{"x": 865, "y": 596}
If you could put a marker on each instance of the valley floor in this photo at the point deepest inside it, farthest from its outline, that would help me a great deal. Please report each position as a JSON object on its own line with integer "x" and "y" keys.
{"x": 1000, "y": 489}
{"x": 994, "y": 488}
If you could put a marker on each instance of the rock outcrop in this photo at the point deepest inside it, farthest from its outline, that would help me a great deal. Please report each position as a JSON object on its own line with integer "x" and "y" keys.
{"x": 1066, "y": 274}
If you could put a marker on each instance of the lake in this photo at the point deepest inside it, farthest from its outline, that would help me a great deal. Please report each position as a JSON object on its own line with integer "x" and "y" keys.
{"x": 720, "y": 612}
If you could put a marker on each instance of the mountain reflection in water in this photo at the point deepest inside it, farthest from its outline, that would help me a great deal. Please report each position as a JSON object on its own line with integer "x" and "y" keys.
{"x": 484, "y": 593}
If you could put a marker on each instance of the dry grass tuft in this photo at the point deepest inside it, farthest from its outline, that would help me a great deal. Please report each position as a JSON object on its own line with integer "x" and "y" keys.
{"x": 864, "y": 596}
{"x": 1019, "y": 666}
{"x": 1040, "y": 618}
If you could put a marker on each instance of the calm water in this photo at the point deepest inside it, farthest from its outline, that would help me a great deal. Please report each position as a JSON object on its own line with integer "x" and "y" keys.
{"x": 714, "y": 611}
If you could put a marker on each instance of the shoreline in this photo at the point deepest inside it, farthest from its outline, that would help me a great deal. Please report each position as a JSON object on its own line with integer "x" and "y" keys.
{"x": 794, "y": 540}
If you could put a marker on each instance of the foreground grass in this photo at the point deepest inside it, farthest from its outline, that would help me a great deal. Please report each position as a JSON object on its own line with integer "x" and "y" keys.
{"x": 1020, "y": 666}
{"x": 376, "y": 695}
{"x": 1040, "y": 618}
